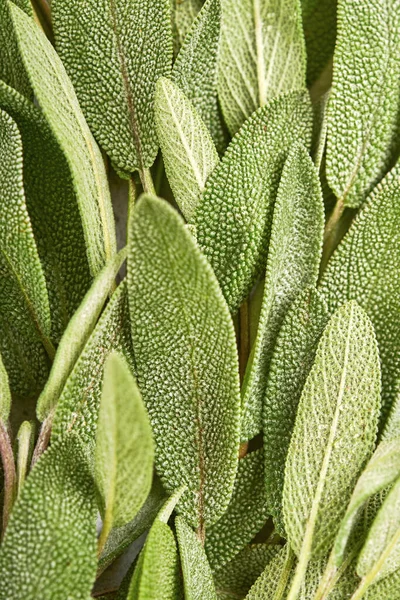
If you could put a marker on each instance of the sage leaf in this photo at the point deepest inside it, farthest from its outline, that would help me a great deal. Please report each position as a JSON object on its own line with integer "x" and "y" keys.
{"x": 188, "y": 151}
{"x": 336, "y": 424}
{"x": 233, "y": 218}
{"x": 24, "y": 442}
{"x": 115, "y": 75}
{"x": 59, "y": 103}
{"x": 387, "y": 588}
{"x": 392, "y": 426}
{"x": 12, "y": 70}
{"x": 5, "y": 393}
{"x": 184, "y": 13}
{"x": 50, "y": 542}
{"x": 319, "y": 21}
{"x": 291, "y": 362}
{"x": 245, "y": 515}
{"x": 273, "y": 580}
{"x": 363, "y": 108}
{"x": 293, "y": 263}
{"x": 191, "y": 390}
{"x": 262, "y": 54}
{"x": 197, "y": 575}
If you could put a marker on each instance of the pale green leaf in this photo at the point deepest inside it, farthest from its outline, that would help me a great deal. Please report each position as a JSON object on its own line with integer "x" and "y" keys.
{"x": 234, "y": 216}
{"x": 114, "y": 53}
{"x": 392, "y": 426}
{"x": 291, "y": 362}
{"x": 184, "y": 13}
{"x": 25, "y": 442}
{"x": 186, "y": 360}
{"x": 262, "y": 54}
{"x": 363, "y": 124}
{"x": 293, "y": 264}
{"x": 334, "y": 433}
{"x": 273, "y": 580}
{"x": 245, "y": 515}
{"x": 319, "y": 21}
{"x": 188, "y": 151}
{"x": 12, "y": 70}
{"x": 387, "y": 588}
{"x": 5, "y": 393}
{"x": 58, "y": 100}
{"x": 49, "y": 551}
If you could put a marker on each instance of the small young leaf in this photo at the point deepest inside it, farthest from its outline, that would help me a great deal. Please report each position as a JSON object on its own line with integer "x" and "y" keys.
{"x": 12, "y": 70}
{"x": 25, "y": 441}
{"x": 319, "y": 20}
{"x": 5, "y": 393}
{"x": 233, "y": 218}
{"x": 188, "y": 150}
{"x": 186, "y": 360}
{"x": 49, "y": 550}
{"x": 293, "y": 263}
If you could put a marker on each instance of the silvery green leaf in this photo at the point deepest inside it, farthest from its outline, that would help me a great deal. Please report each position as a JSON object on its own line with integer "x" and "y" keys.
{"x": 363, "y": 127}
{"x": 184, "y": 13}
{"x": 245, "y": 515}
{"x": 233, "y": 218}
{"x": 186, "y": 360}
{"x": 114, "y": 53}
{"x": 262, "y": 54}
{"x": 334, "y": 433}
{"x": 5, "y": 393}
{"x": 293, "y": 264}
{"x": 392, "y": 427}
{"x": 188, "y": 151}
{"x": 319, "y": 21}
{"x": 197, "y": 576}
{"x": 57, "y": 99}
{"x": 49, "y": 550}
{"x": 272, "y": 582}
{"x": 291, "y": 362}
{"x": 12, "y": 70}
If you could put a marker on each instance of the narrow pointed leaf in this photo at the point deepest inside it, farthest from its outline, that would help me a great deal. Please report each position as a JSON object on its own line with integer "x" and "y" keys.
{"x": 363, "y": 126}
{"x": 50, "y": 545}
{"x": 186, "y": 360}
{"x": 293, "y": 264}
{"x": 5, "y": 393}
{"x": 59, "y": 103}
{"x": 336, "y": 424}
{"x": 115, "y": 75}
{"x": 319, "y": 21}
{"x": 188, "y": 150}
{"x": 234, "y": 216}
{"x": 184, "y": 13}
{"x": 291, "y": 362}
{"x": 12, "y": 70}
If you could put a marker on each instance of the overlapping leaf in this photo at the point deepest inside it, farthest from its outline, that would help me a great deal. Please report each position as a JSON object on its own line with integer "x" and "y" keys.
{"x": 5, "y": 393}
{"x": 183, "y": 15}
{"x": 12, "y": 70}
{"x": 273, "y": 580}
{"x": 319, "y": 21}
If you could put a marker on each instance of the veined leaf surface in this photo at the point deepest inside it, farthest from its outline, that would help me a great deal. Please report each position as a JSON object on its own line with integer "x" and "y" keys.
{"x": 186, "y": 360}
{"x": 12, "y": 70}
{"x": 183, "y": 15}
{"x": 273, "y": 580}
{"x": 5, "y": 393}
{"x": 392, "y": 426}
{"x": 234, "y": 216}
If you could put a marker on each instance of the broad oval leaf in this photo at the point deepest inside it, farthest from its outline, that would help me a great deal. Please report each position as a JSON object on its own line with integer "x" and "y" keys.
{"x": 186, "y": 360}
{"x": 233, "y": 218}
{"x": 12, "y": 70}
{"x": 293, "y": 263}
{"x": 5, "y": 393}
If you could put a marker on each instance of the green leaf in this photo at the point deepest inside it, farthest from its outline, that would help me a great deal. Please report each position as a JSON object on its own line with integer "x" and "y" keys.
{"x": 233, "y": 218}
{"x": 188, "y": 151}
{"x": 273, "y": 580}
{"x": 291, "y": 362}
{"x": 392, "y": 426}
{"x": 334, "y": 433}
{"x": 184, "y": 13}
{"x": 365, "y": 268}
{"x": 76, "y": 335}
{"x": 5, "y": 393}
{"x": 50, "y": 544}
{"x": 186, "y": 360}
{"x": 319, "y": 21}
{"x": 24, "y": 447}
{"x": 293, "y": 264}
{"x": 363, "y": 126}
{"x": 57, "y": 99}
{"x": 245, "y": 515}
{"x": 387, "y": 588}
{"x": 12, "y": 70}
{"x": 197, "y": 575}
{"x": 114, "y": 53}
{"x": 262, "y": 54}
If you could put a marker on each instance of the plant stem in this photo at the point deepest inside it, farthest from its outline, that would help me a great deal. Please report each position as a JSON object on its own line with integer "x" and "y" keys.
{"x": 332, "y": 574}
{"x": 105, "y": 532}
{"x": 331, "y": 233}
{"x": 43, "y": 439}
{"x": 10, "y": 479}
{"x": 201, "y": 533}
{"x": 147, "y": 181}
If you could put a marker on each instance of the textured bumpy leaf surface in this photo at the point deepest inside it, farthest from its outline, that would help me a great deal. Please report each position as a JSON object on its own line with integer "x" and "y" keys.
{"x": 319, "y": 21}
{"x": 273, "y": 579}
{"x": 262, "y": 54}
{"x": 234, "y": 216}
{"x": 365, "y": 268}
{"x": 5, "y": 393}
{"x": 246, "y": 513}
{"x": 334, "y": 432}
{"x": 293, "y": 263}
{"x": 12, "y": 70}
{"x": 183, "y": 15}
{"x": 188, "y": 150}
{"x": 363, "y": 109}
{"x": 197, "y": 575}
{"x": 387, "y": 588}
{"x": 392, "y": 426}
{"x": 291, "y": 362}
{"x": 124, "y": 444}
{"x": 49, "y": 550}
{"x": 114, "y": 53}
{"x": 58, "y": 100}
{"x": 186, "y": 360}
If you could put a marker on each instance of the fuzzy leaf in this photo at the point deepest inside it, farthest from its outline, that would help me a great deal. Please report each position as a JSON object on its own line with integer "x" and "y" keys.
{"x": 5, "y": 393}
{"x": 392, "y": 426}
{"x": 188, "y": 150}
{"x": 245, "y": 515}
{"x": 293, "y": 263}
{"x": 291, "y": 362}
{"x": 57, "y": 99}
{"x": 186, "y": 360}
{"x": 114, "y": 53}
{"x": 319, "y": 21}
{"x": 184, "y": 13}
{"x": 50, "y": 544}
{"x": 336, "y": 425}
{"x": 262, "y": 54}
{"x": 274, "y": 578}
{"x": 12, "y": 70}
{"x": 363, "y": 125}
{"x": 233, "y": 218}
